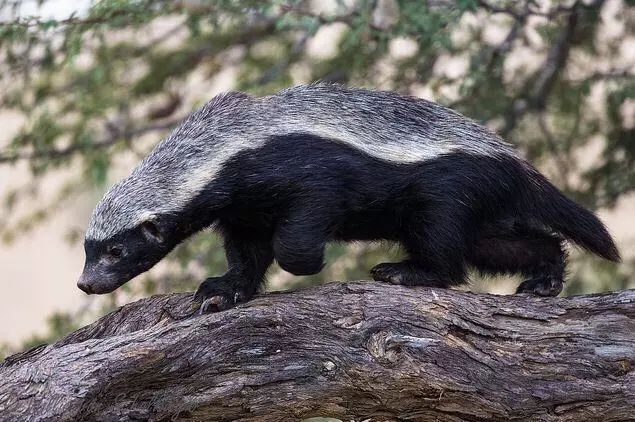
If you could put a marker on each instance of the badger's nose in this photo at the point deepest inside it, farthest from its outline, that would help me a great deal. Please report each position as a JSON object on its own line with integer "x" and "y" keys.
{"x": 86, "y": 287}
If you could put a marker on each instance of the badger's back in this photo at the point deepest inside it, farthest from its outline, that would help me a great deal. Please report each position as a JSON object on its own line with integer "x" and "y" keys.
{"x": 383, "y": 124}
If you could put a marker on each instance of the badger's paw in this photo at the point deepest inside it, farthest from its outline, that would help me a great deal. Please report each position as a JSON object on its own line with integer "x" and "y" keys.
{"x": 541, "y": 286}
{"x": 408, "y": 273}
{"x": 217, "y": 294}
{"x": 395, "y": 273}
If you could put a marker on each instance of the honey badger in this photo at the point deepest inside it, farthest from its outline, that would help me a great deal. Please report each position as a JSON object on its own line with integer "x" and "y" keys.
{"x": 282, "y": 175}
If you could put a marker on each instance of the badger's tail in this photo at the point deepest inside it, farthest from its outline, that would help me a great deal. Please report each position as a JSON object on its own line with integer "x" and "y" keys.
{"x": 569, "y": 219}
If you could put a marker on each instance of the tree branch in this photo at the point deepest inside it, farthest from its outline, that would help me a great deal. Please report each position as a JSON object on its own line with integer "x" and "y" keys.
{"x": 536, "y": 94}
{"x": 555, "y": 147}
{"x": 351, "y": 350}
{"x": 555, "y": 62}
{"x": 348, "y": 19}
{"x": 104, "y": 143}
{"x": 524, "y": 9}
{"x": 613, "y": 73}
{"x": 32, "y": 22}
{"x": 129, "y": 15}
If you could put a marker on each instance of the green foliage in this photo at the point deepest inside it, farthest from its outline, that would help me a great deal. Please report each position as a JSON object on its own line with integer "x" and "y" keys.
{"x": 57, "y": 325}
{"x": 89, "y": 85}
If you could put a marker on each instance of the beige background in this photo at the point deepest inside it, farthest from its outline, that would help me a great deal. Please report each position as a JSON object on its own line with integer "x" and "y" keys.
{"x": 38, "y": 271}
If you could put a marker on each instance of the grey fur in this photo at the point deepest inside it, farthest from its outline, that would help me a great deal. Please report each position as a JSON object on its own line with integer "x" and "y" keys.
{"x": 385, "y": 125}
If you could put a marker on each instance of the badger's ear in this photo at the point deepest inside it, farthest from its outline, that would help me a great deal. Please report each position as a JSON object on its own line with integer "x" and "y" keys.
{"x": 151, "y": 230}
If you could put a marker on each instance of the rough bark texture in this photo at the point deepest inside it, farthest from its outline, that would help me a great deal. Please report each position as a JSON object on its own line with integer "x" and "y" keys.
{"x": 352, "y": 351}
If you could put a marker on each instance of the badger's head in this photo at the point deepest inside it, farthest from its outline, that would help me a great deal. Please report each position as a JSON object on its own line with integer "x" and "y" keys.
{"x": 173, "y": 193}
{"x": 129, "y": 232}
{"x": 140, "y": 220}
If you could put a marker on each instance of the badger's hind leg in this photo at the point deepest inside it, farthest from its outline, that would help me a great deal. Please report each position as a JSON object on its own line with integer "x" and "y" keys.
{"x": 436, "y": 253}
{"x": 537, "y": 255}
{"x": 248, "y": 259}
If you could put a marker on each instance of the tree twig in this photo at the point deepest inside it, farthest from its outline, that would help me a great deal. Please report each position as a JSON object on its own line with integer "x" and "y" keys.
{"x": 348, "y": 19}
{"x": 103, "y": 143}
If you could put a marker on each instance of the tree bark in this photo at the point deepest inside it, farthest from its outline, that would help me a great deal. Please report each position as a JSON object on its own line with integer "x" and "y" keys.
{"x": 352, "y": 351}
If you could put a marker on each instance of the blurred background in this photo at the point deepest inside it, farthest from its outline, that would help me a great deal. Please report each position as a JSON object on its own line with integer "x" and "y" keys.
{"x": 87, "y": 88}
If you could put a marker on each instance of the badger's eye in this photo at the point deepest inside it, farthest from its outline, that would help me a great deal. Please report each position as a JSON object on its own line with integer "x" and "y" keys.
{"x": 115, "y": 251}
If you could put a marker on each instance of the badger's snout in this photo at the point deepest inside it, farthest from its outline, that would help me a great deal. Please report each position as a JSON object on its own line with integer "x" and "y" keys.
{"x": 84, "y": 285}
{"x": 91, "y": 282}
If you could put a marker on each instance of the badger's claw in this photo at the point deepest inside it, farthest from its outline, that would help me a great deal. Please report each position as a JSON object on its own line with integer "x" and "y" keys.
{"x": 388, "y": 273}
{"x": 214, "y": 304}
{"x": 541, "y": 286}
{"x": 216, "y": 294}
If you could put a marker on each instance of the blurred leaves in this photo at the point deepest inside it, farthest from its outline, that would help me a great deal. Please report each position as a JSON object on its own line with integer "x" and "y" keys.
{"x": 90, "y": 86}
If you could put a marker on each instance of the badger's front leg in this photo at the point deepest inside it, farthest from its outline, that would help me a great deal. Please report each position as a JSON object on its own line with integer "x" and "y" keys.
{"x": 247, "y": 259}
{"x": 300, "y": 238}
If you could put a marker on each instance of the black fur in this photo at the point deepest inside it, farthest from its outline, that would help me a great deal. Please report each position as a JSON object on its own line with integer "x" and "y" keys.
{"x": 287, "y": 199}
